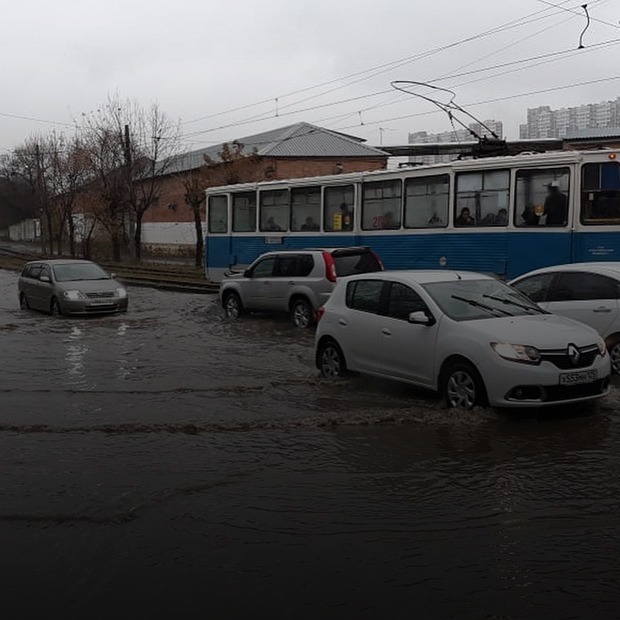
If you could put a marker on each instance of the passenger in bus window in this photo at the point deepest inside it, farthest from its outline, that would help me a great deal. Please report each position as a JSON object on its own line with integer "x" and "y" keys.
{"x": 465, "y": 218}
{"x": 347, "y": 217}
{"x": 529, "y": 216}
{"x": 271, "y": 224}
{"x": 309, "y": 224}
{"x": 556, "y": 205}
{"x": 502, "y": 217}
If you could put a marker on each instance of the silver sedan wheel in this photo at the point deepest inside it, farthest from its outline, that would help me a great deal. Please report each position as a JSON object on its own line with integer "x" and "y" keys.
{"x": 614, "y": 355}
{"x": 331, "y": 361}
{"x": 461, "y": 389}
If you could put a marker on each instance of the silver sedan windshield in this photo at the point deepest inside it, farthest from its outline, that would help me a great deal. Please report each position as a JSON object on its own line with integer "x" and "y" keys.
{"x": 79, "y": 271}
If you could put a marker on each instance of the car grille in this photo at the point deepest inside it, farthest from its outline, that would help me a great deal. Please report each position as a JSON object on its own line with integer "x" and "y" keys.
{"x": 561, "y": 359}
{"x": 100, "y": 294}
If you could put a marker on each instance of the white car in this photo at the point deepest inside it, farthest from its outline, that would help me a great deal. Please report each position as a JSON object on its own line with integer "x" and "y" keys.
{"x": 467, "y": 335}
{"x": 586, "y": 292}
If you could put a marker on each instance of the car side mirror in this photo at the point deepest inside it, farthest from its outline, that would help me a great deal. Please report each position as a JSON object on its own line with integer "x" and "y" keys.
{"x": 44, "y": 278}
{"x": 247, "y": 273}
{"x": 421, "y": 318}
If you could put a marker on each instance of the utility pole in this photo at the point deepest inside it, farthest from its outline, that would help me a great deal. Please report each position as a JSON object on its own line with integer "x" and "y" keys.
{"x": 130, "y": 189}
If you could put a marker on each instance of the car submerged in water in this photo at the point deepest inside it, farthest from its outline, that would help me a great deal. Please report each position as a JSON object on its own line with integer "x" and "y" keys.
{"x": 466, "y": 335}
{"x": 70, "y": 287}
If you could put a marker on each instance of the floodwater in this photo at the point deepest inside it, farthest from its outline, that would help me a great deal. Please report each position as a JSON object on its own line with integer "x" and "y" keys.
{"x": 169, "y": 462}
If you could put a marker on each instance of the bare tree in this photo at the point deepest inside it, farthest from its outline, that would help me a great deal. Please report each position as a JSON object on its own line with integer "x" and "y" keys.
{"x": 131, "y": 149}
{"x": 32, "y": 164}
{"x": 232, "y": 166}
{"x": 194, "y": 195}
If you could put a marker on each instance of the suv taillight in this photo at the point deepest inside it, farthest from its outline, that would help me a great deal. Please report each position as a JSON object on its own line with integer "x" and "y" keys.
{"x": 330, "y": 267}
{"x": 379, "y": 261}
{"x": 319, "y": 313}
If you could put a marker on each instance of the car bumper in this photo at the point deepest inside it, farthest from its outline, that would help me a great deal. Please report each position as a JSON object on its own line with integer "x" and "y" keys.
{"x": 110, "y": 305}
{"x": 511, "y": 384}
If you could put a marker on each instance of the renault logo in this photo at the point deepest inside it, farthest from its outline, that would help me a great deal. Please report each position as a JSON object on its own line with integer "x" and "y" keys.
{"x": 573, "y": 354}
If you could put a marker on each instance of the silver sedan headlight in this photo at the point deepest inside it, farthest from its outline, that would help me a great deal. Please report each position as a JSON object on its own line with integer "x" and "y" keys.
{"x": 74, "y": 295}
{"x": 121, "y": 292}
{"x": 517, "y": 352}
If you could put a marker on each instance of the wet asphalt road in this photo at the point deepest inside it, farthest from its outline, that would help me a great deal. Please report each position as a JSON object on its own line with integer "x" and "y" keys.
{"x": 167, "y": 462}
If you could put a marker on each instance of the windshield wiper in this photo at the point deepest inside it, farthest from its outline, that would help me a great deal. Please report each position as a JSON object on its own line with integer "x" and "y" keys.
{"x": 477, "y": 304}
{"x": 506, "y": 300}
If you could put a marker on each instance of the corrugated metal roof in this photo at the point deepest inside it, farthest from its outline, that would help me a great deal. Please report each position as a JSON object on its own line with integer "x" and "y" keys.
{"x": 299, "y": 140}
{"x": 594, "y": 132}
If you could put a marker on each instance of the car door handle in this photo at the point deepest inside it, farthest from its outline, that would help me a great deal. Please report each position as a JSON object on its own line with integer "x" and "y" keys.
{"x": 601, "y": 309}
{"x": 386, "y": 332}
{"x": 342, "y": 321}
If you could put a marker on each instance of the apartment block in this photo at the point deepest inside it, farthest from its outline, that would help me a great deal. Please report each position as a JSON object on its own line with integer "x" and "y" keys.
{"x": 543, "y": 122}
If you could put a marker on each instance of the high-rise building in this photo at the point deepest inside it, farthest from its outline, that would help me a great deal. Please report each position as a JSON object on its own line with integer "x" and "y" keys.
{"x": 543, "y": 122}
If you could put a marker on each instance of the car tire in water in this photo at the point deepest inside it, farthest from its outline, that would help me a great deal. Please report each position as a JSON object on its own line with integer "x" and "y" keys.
{"x": 462, "y": 386}
{"x": 23, "y": 302}
{"x": 55, "y": 307}
{"x": 233, "y": 308}
{"x": 302, "y": 313}
{"x": 331, "y": 360}
{"x": 614, "y": 355}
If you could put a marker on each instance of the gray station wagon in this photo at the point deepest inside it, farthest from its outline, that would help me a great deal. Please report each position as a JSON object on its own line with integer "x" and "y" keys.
{"x": 69, "y": 286}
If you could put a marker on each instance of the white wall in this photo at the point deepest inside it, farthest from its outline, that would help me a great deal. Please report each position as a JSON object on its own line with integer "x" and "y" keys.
{"x": 26, "y": 230}
{"x": 169, "y": 233}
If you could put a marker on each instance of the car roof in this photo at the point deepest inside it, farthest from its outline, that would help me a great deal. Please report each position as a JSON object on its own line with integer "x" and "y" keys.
{"x": 353, "y": 248}
{"x": 59, "y": 261}
{"x": 423, "y": 276}
{"x": 610, "y": 268}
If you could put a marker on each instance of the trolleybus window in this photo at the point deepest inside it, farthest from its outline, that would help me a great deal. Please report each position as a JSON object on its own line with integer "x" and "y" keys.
{"x": 305, "y": 208}
{"x": 338, "y": 208}
{"x": 274, "y": 210}
{"x": 541, "y": 197}
{"x": 600, "y": 193}
{"x": 426, "y": 201}
{"x": 244, "y": 212}
{"x": 218, "y": 214}
{"x": 482, "y": 198}
{"x": 381, "y": 205}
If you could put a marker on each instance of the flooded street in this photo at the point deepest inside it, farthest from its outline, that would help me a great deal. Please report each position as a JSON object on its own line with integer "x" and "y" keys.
{"x": 167, "y": 461}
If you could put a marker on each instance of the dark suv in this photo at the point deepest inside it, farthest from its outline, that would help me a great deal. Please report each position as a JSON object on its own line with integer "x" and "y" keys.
{"x": 293, "y": 281}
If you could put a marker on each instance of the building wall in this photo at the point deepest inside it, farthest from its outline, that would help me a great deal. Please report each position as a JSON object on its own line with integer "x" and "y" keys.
{"x": 171, "y": 207}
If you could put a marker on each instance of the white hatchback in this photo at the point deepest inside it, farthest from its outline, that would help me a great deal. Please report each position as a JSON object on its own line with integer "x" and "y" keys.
{"x": 467, "y": 335}
{"x": 586, "y": 292}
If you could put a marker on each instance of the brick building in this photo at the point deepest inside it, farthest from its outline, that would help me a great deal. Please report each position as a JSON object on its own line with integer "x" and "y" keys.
{"x": 300, "y": 150}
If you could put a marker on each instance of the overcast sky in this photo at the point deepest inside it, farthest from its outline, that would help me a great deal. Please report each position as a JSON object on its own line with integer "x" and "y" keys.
{"x": 225, "y": 70}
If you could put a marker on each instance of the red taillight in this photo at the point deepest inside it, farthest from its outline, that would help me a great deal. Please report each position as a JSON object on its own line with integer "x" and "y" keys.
{"x": 378, "y": 260}
{"x": 330, "y": 267}
{"x": 319, "y": 313}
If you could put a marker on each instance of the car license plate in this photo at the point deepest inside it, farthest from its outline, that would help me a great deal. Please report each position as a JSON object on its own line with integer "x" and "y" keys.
{"x": 101, "y": 302}
{"x": 574, "y": 378}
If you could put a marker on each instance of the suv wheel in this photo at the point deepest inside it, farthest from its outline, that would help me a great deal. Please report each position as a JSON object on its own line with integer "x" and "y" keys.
{"x": 302, "y": 313}
{"x": 462, "y": 386}
{"x": 331, "y": 360}
{"x": 233, "y": 308}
